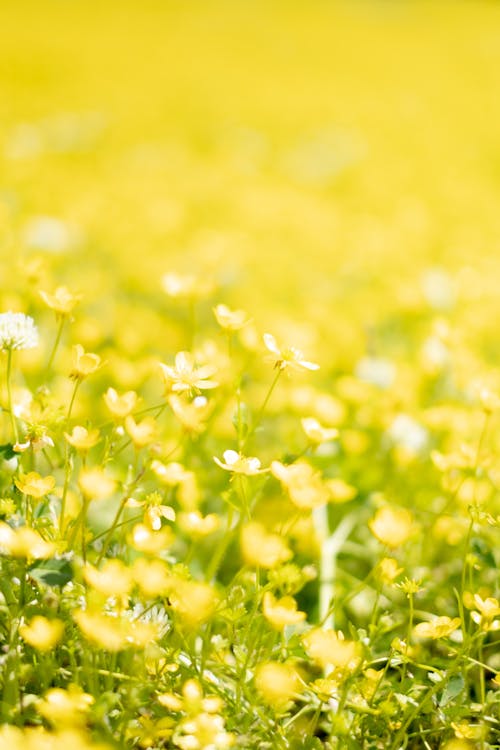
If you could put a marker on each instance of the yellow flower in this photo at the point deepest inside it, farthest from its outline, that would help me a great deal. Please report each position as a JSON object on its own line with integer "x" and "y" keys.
{"x": 231, "y": 320}
{"x": 120, "y": 406}
{"x": 34, "y": 485}
{"x": 239, "y": 464}
{"x": 304, "y": 485}
{"x": 388, "y": 569}
{"x": 316, "y": 433}
{"x": 439, "y": 627}
{"x": 82, "y": 439}
{"x": 291, "y": 358}
{"x": 329, "y": 649}
{"x": 142, "y": 433}
{"x": 185, "y": 376}
{"x": 144, "y": 539}
{"x": 277, "y": 683}
{"x": 487, "y": 610}
{"x": 152, "y": 577}
{"x": 66, "y": 708}
{"x": 340, "y": 491}
{"x": 198, "y": 526}
{"x": 84, "y": 363}
{"x": 95, "y": 484}
{"x": 104, "y": 631}
{"x": 24, "y": 542}
{"x": 186, "y": 286}
{"x": 62, "y": 301}
{"x": 392, "y": 526}
{"x": 281, "y": 612}
{"x": 194, "y": 602}
{"x": 261, "y": 548}
{"x": 155, "y": 510}
{"x": 113, "y": 579}
{"x": 191, "y": 414}
{"x": 41, "y": 633}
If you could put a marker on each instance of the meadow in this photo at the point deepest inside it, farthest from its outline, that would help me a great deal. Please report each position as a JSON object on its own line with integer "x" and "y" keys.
{"x": 249, "y": 375}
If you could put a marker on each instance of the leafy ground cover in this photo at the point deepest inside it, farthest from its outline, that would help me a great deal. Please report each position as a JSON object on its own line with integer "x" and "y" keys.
{"x": 249, "y": 481}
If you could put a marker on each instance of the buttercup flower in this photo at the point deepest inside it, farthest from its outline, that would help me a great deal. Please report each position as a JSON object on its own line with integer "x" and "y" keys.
{"x": 17, "y": 331}
{"x": 239, "y": 464}
{"x": 34, "y": 485}
{"x": 41, "y": 633}
{"x": 62, "y": 301}
{"x": 439, "y": 627}
{"x": 283, "y": 358}
{"x": 84, "y": 363}
{"x": 120, "y": 406}
{"x": 230, "y": 320}
{"x": 185, "y": 376}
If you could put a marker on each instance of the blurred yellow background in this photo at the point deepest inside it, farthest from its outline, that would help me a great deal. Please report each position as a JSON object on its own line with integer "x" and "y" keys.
{"x": 323, "y": 160}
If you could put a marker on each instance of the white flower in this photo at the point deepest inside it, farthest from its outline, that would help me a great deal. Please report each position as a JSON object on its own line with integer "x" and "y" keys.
{"x": 17, "y": 331}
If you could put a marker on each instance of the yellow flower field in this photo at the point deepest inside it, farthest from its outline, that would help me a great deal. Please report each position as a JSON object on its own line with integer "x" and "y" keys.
{"x": 249, "y": 374}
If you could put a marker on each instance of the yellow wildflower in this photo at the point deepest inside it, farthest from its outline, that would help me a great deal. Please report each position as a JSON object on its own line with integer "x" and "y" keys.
{"x": 291, "y": 358}
{"x": 194, "y": 602}
{"x": 261, "y": 548}
{"x": 196, "y": 525}
{"x": 113, "y": 579}
{"x": 191, "y": 414}
{"x": 24, "y": 542}
{"x": 304, "y": 485}
{"x": 122, "y": 405}
{"x": 95, "y": 484}
{"x": 277, "y": 683}
{"x": 84, "y": 363}
{"x": 41, "y": 633}
{"x": 62, "y": 301}
{"x": 34, "y": 485}
{"x": 439, "y": 627}
{"x": 144, "y": 539}
{"x": 67, "y": 708}
{"x": 392, "y": 526}
{"x": 487, "y": 610}
{"x": 82, "y": 439}
{"x": 316, "y": 433}
{"x": 231, "y": 320}
{"x": 185, "y": 376}
{"x": 329, "y": 649}
{"x": 142, "y": 433}
{"x": 239, "y": 464}
{"x": 281, "y": 612}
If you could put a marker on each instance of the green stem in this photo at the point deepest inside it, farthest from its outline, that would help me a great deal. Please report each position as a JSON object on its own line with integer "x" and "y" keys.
{"x": 13, "y": 422}
{"x": 56, "y": 343}
{"x": 263, "y": 407}
{"x": 112, "y": 528}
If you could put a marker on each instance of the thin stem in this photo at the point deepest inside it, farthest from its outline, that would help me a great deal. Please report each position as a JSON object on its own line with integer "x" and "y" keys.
{"x": 13, "y": 422}
{"x": 56, "y": 343}
{"x": 263, "y": 407}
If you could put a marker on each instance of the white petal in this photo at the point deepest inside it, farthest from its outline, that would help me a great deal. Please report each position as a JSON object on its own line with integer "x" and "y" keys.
{"x": 271, "y": 344}
{"x": 231, "y": 457}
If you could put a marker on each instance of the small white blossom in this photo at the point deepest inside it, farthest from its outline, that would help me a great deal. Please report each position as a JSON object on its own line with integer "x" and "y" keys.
{"x": 17, "y": 331}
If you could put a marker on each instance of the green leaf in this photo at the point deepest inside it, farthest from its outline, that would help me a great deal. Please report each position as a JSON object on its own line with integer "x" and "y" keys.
{"x": 453, "y": 688}
{"x": 7, "y": 452}
{"x": 52, "y": 572}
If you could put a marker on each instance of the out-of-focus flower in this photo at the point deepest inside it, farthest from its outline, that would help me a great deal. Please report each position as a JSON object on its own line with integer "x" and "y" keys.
{"x": 316, "y": 433}
{"x": 120, "y": 406}
{"x": 277, "y": 683}
{"x": 113, "y": 579}
{"x": 185, "y": 376}
{"x": 84, "y": 363}
{"x": 186, "y": 286}
{"x": 486, "y": 612}
{"x": 281, "y": 612}
{"x": 304, "y": 485}
{"x": 24, "y": 542}
{"x": 95, "y": 484}
{"x": 239, "y": 464}
{"x": 329, "y": 648}
{"x": 66, "y": 708}
{"x": 141, "y": 433}
{"x": 392, "y": 526}
{"x": 262, "y": 548}
{"x": 82, "y": 439}
{"x": 62, "y": 301}
{"x": 42, "y": 633}
{"x": 439, "y": 627}
{"x": 17, "y": 331}
{"x": 191, "y": 414}
{"x": 291, "y": 357}
{"x": 34, "y": 485}
{"x": 231, "y": 320}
